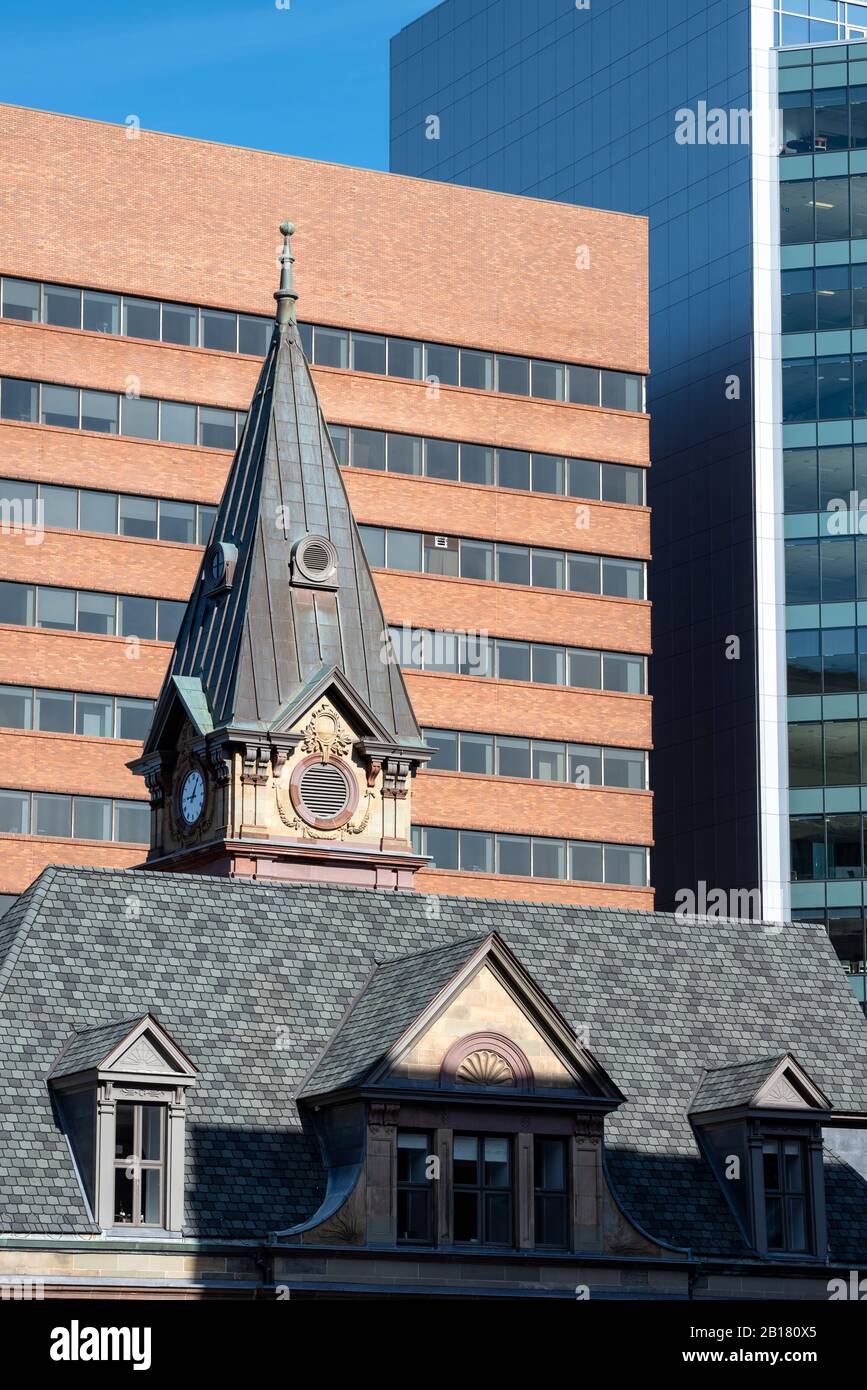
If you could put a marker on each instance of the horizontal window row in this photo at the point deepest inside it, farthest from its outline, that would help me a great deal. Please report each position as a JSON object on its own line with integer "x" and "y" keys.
{"x": 827, "y": 847}
{"x": 475, "y": 654}
{"x": 74, "y": 712}
{"x": 829, "y": 754}
{"x": 482, "y": 465}
{"x": 843, "y": 21}
{"x": 831, "y": 296}
{"x": 531, "y": 856}
{"x": 829, "y": 118}
{"x": 106, "y": 513}
{"x": 826, "y": 571}
{"x": 81, "y": 610}
{"x": 107, "y": 412}
{"x": 827, "y": 388}
{"x": 224, "y": 331}
{"x": 154, "y": 320}
{"x": 500, "y": 755}
{"x": 74, "y": 817}
{"x": 832, "y": 209}
{"x": 469, "y": 367}
{"x": 388, "y": 548}
{"x": 830, "y": 662}
{"x": 814, "y": 478}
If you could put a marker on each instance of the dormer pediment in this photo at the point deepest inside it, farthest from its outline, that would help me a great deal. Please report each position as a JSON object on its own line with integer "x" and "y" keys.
{"x": 135, "y": 1049}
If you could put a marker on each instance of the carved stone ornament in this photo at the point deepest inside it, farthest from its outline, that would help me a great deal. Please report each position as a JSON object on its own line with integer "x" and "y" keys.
{"x": 257, "y": 765}
{"x": 382, "y": 1119}
{"x": 395, "y": 783}
{"x": 156, "y": 784}
{"x": 325, "y": 734}
{"x": 485, "y": 1068}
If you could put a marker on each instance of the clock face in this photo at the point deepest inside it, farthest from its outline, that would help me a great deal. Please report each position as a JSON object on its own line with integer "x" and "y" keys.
{"x": 192, "y": 796}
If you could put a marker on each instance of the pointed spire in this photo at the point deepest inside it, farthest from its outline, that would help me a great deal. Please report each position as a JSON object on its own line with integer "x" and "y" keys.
{"x": 286, "y": 295}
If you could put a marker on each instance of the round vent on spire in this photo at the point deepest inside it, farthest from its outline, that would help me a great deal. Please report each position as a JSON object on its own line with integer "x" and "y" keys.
{"x": 314, "y": 561}
{"x": 324, "y": 792}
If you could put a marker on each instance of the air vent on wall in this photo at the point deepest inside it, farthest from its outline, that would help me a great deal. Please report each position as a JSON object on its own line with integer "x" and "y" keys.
{"x": 314, "y": 562}
{"x": 324, "y": 791}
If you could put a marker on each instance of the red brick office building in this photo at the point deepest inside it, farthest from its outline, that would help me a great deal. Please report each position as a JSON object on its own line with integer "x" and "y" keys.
{"x": 480, "y": 360}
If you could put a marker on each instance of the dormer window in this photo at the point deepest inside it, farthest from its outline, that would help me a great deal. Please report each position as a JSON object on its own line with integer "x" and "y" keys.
{"x": 414, "y": 1188}
{"x": 482, "y": 1188}
{"x": 551, "y": 1184}
{"x": 139, "y": 1164}
{"x": 785, "y": 1181}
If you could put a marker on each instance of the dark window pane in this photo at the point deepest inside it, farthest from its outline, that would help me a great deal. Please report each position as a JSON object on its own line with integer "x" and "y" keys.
{"x": 20, "y": 300}
{"x": 805, "y": 755}
{"x": 340, "y": 440}
{"x": 842, "y": 757}
{"x": 513, "y": 375}
{"x": 477, "y": 753}
{"x": 585, "y": 862}
{"x": 219, "y": 331}
{"x": 441, "y": 459}
{"x": 838, "y": 570}
{"x": 19, "y": 399}
{"x": 216, "y": 428}
{"x": 834, "y": 379}
{"x": 798, "y": 304}
{"x": 623, "y": 578}
{"x": 373, "y": 540}
{"x": 796, "y": 212}
{"x": 99, "y": 411}
{"x": 445, "y": 741}
{"x": 331, "y": 347}
{"x": 17, "y": 603}
{"x": 133, "y": 718}
{"x": 832, "y": 209}
{"x": 16, "y": 707}
{"x": 60, "y": 506}
{"x": 804, "y": 664}
{"x": 585, "y": 670}
{"x": 477, "y": 559}
{"x": 405, "y": 358}
{"x": 839, "y": 660}
{"x": 178, "y": 522}
{"x": 549, "y": 665}
{"x": 585, "y": 765}
{"x": 835, "y": 475}
{"x": 442, "y": 845}
{"x": 513, "y": 469}
{"x": 858, "y": 192}
{"x": 513, "y": 660}
{"x": 797, "y": 132}
{"x": 368, "y": 353}
{"x": 61, "y": 306}
{"x": 832, "y": 296}
{"x": 56, "y": 609}
{"x": 802, "y": 572}
{"x": 514, "y": 855}
{"x": 621, "y": 672}
{"x": 403, "y": 550}
{"x": 799, "y": 390}
{"x": 60, "y": 406}
{"x": 808, "y": 847}
{"x": 52, "y": 815}
{"x": 832, "y": 119}
{"x": 441, "y": 555}
{"x": 92, "y": 818}
{"x": 140, "y": 418}
{"x": 621, "y": 391}
{"x": 412, "y": 1215}
{"x": 477, "y": 370}
{"x": 549, "y": 858}
{"x": 207, "y": 517}
{"x": 132, "y": 822}
{"x": 169, "y": 618}
{"x": 404, "y": 454}
{"x": 477, "y": 464}
{"x": 53, "y": 711}
{"x": 305, "y": 333}
{"x": 548, "y": 380}
{"x": 466, "y": 1209}
{"x": 548, "y": 569}
{"x": 441, "y": 364}
{"x": 800, "y": 480}
{"x": 14, "y": 813}
{"x": 626, "y": 864}
{"x": 98, "y": 512}
{"x": 620, "y": 483}
{"x": 137, "y": 617}
{"x": 141, "y": 318}
{"x": 101, "y": 312}
{"x": 368, "y": 449}
{"x": 584, "y": 574}
{"x": 96, "y": 613}
{"x": 583, "y": 385}
{"x": 844, "y": 846}
{"x": 513, "y": 757}
{"x": 178, "y": 422}
{"x": 94, "y": 716}
{"x": 254, "y": 334}
{"x": 583, "y": 478}
{"x": 181, "y": 325}
{"x": 624, "y": 767}
{"x": 138, "y": 517}
{"x": 513, "y": 564}
{"x": 548, "y": 474}
{"x": 477, "y": 852}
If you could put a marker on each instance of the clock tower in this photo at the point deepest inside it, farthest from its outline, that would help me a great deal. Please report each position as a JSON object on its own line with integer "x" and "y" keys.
{"x": 283, "y": 743}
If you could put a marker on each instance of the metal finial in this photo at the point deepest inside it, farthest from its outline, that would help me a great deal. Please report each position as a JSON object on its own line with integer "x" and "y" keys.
{"x": 286, "y": 295}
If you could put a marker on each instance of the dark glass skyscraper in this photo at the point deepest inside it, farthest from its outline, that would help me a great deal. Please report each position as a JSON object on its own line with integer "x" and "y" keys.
{"x": 686, "y": 112}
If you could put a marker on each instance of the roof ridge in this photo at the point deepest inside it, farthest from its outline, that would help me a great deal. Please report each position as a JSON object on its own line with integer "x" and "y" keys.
{"x": 477, "y": 938}
{"x": 750, "y": 1062}
{"x": 38, "y": 891}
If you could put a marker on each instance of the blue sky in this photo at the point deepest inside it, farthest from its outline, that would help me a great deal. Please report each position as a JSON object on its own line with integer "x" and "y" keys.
{"x": 311, "y": 79}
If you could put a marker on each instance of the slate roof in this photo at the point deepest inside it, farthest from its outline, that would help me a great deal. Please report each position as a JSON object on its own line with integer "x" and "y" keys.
{"x": 735, "y": 1084}
{"x": 87, "y": 1047}
{"x": 255, "y": 648}
{"x": 390, "y": 1001}
{"x": 251, "y": 980}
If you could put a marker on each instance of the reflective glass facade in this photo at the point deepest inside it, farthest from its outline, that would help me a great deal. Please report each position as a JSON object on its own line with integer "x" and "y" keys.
{"x": 579, "y": 104}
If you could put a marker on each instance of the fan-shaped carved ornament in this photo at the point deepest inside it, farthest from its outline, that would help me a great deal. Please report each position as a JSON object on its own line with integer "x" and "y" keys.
{"x": 485, "y": 1068}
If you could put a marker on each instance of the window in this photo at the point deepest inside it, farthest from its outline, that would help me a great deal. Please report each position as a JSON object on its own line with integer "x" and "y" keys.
{"x": 482, "y": 1190}
{"x": 181, "y": 325}
{"x": 96, "y": 613}
{"x": 584, "y": 385}
{"x": 94, "y": 716}
{"x": 53, "y": 711}
{"x": 132, "y": 822}
{"x": 61, "y": 306}
{"x": 137, "y": 617}
{"x": 783, "y": 1162}
{"x": 56, "y": 609}
{"x": 404, "y": 454}
{"x": 216, "y": 428}
{"x": 99, "y": 412}
{"x": 331, "y": 347}
{"x": 404, "y": 358}
{"x": 368, "y": 449}
{"x": 14, "y": 813}
{"x": 60, "y": 406}
{"x": 219, "y": 331}
{"x": 17, "y": 603}
{"x": 101, "y": 312}
{"x": 477, "y": 370}
{"x": 441, "y": 459}
{"x": 141, "y": 319}
{"x": 368, "y": 353}
{"x": 550, "y": 1189}
{"x": 92, "y": 818}
{"x": 414, "y": 1188}
{"x": 139, "y": 1164}
{"x": 140, "y": 418}
{"x": 133, "y": 719}
{"x": 254, "y": 334}
{"x": 441, "y": 363}
{"x": 16, "y": 707}
{"x": 20, "y": 300}
{"x": 513, "y": 375}
{"x": 52, "y": 815}
{"x": 443, "y": 740}
{"x": 138, "y": 517}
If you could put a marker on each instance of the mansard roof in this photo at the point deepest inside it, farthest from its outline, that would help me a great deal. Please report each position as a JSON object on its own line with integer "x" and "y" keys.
{"x": 243, "y": 656}
{"x": 766, "y": 1081}
{"x": 252, "y": 980}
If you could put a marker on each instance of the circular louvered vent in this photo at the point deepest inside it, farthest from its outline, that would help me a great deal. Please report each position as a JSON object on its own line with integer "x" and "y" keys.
{"x": 315, "y": 559}
{"x": 324, "y": 790}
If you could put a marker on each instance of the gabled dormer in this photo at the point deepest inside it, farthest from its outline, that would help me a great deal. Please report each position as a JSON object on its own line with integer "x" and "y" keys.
{"x": 759, "y": 1124}
{"x": 284, "y": 743}
{"x": 455, "y": 1107}
{"x": 119, "y": 1091}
